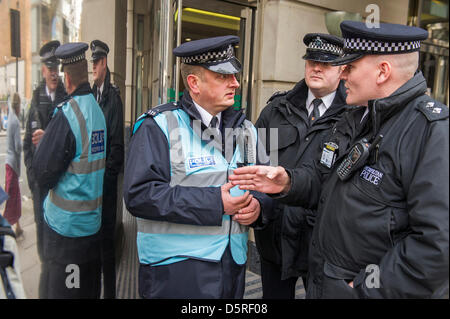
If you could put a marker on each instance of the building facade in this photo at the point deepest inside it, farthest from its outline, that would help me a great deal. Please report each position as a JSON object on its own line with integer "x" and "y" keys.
{"x": 143, "y": 33}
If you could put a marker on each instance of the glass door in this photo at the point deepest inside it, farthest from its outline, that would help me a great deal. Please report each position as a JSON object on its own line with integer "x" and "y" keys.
{"x": 194, "y": 20}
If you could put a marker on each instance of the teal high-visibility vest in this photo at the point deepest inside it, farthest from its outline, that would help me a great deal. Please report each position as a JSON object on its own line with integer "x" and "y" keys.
{"x": 194, "y": 162}
{"x": 73, "y": 207}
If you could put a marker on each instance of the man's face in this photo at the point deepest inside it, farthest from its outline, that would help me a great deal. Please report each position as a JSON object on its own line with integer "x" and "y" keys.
{"x": 99, "y": 70}
{"x": 217, "y": 90}
{"x": 322, "y": 78}
{"x": 360, "y": 81}
{"x": 51, "y": 77}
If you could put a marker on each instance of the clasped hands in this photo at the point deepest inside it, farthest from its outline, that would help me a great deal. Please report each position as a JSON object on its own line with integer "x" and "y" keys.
{"x": 244, "y": 209}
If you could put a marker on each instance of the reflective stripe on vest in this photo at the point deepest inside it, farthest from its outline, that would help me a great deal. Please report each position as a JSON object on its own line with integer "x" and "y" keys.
{"x": 73, "y": 207}
{"x": 164, "y": 241}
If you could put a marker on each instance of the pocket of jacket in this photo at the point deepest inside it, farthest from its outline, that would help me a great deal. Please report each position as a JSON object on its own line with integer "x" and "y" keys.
{"x": 287, "y": 135}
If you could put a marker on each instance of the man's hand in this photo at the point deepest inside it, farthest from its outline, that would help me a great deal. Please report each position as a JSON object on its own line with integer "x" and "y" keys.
{"x": 232, "y": 205}
{"x": 37, "y": 136}
{"x": 264, "y": 179}
{"x": 249, "y": 214}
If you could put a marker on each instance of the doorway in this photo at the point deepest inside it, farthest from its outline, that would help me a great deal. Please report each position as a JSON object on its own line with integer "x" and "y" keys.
{"x": 195, "y": 19}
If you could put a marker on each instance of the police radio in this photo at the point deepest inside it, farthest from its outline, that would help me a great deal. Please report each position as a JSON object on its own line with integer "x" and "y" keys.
{"x": 247, "y": 150}
{"x": 356, "y": 158}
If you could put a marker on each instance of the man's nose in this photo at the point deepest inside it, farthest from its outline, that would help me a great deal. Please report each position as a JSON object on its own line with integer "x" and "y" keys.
{"x": 234, "y": 82}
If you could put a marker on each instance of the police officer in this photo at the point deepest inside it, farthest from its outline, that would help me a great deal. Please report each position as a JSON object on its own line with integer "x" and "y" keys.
{"x": 192, "y": 226}
{"x": 46, "y": 96}
{"x": 382, "y": 222}
{"x": 302, "y": 118}
{"x": 108, "y": 97}
{"x": 70, "y": 161}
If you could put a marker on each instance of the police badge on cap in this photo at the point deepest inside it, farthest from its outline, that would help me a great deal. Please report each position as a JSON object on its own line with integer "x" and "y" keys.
{"x": 99, "y": 50}
{"x": 215, "y": 54}
{"x": 359, "y": 40}
{"x": 322, "y": 47}
{"x": 47, "y": 54}
{"x": 71, "y": 53}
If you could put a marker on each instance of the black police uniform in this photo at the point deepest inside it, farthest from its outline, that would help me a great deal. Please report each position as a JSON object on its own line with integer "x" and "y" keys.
{"x": 41, "y": 110}
{"x": 385, "y": 228}
{"x": 283, "y": 244}
{"x": 112, "y": 108}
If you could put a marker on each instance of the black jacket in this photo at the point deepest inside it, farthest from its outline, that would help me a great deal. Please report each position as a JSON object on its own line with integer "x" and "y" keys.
{"x": 388, "y": 225}
{"x": 112, "y": 108}
{"x": 39, "y": 115}
{"x": 285, "y": 240}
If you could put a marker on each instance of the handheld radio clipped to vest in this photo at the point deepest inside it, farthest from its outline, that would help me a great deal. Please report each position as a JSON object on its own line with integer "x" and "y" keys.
{"x": 357, "y": 157}
{"x": 248, "y": 156}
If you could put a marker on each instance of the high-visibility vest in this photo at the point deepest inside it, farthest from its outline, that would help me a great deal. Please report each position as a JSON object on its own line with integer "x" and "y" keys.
{"x": 73, "y": 207}
{"x": 194, "y": 162}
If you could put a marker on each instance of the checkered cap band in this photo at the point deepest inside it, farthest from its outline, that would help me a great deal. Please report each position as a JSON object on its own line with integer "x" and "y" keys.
{"x": 351, "y": 44}
{"x": 210, "y": 56}
{"x": 325, "y": 46}
{"x": 73, "y": 59}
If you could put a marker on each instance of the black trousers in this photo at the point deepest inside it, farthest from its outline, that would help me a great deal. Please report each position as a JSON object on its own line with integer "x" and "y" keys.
{"x": 108, "y": 256}
{"x": 194, "y": 279}
{"x": 39, "y": 195}
{"x": 273, "y": 286}
{"x": 70, "y": 267}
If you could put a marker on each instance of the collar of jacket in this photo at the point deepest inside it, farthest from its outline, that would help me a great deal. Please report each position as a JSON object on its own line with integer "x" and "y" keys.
{"x": 82, "y": 89}
{"x": 383, "y": 109}
{"x": 60, "y": 93}
{"x": 230, "y": 117}
{"x": 296, "y": 99}
{"x": 106, "y": 84}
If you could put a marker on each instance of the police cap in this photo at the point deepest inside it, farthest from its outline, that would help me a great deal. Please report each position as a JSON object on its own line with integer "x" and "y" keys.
{"x": 322, "y": 47}
{"x": 99, "y": 50}
{"x": 70, "y": 53}
{"x": 360, "y": 40}
{"x": 47, "y": 54}
{"x": 215, "y": 54}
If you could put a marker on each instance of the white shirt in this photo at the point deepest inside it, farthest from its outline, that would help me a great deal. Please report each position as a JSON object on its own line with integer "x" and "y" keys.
{"x": 365, "y": 113}
{"x": 51, "y": 95}
{"x": 99, "y": 94}
{"x": 206, "y": 117}
{"x": 326, "y": 102}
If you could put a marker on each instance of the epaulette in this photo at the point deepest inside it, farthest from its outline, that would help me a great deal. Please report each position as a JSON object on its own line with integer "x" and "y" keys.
{"x": 433, "y": 110}
{"x": 276, "y": 94}
{"x": 162, "y": 108}
{"x": 154, "y": 112}
{"x": 64, "y": 101}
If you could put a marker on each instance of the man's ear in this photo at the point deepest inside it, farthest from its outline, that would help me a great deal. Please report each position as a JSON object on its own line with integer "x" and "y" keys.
{"x": 384, "y": 71}
{"x": 193, "y": 81}
{"x": 68, "y": 81}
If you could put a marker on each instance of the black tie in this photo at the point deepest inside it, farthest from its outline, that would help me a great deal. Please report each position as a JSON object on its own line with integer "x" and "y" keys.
{"x": 99, "y": 94}
{"x": 213, "y": 123}
{"x": 315, "y": 114}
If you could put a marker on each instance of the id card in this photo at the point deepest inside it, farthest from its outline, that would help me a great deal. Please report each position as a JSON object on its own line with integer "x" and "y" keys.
{"x": 329, "y": 154}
